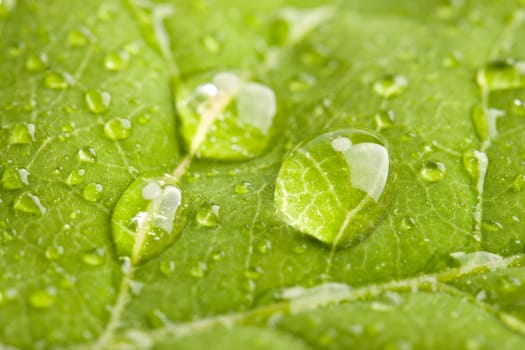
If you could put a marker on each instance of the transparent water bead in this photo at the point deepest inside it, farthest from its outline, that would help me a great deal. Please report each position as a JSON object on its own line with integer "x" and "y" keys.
{"x": 502, "y": 75}
{"x": 224, "y": 117}
{"x": 14, "y": 178}
{"x": 148, "y": 218}
{"x": 390, "y": 86}
{"x": 336, "y": 187}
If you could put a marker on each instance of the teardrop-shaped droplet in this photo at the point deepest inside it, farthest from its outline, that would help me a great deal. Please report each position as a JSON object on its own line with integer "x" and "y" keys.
{"x": 117, "y": 129}
{"x": 87, "y": 155}
{"x": 29, "y": 203}
{"x": 502, "y": 75}
{"x": 79, "y": 37}
{"x": 148, "y": 218}
{"x": 58, "y": 81}
{"x": 432, "y": 171}
{"x": 97, "y": 101}
{"x": 36, "y": 63}
{"x": 208, "y": 215}
{"x": 116, "y": 61}
{"x": 337, "y": 186}
{"x": 224, "y": 117}
{"x": 390, "y": 86}
{"x": 22, "y": 134}
{"x": 14, "y": 179}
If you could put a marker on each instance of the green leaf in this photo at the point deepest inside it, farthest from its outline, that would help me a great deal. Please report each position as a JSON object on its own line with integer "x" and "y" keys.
{"x": 90, "y": 98}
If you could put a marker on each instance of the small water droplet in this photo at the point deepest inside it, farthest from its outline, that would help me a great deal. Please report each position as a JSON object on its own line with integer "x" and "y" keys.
{"x": 14, "y": 179}
{"x": 502, "y": 75}
{"x": 485, "y": 122}
{"x": 243, "y": 187}
{"x": 43, "y": 298}
{"x": 474, "y": 161}
{"x": 491, "y": 226}
{"x": 148, "y": 218}
{"x": 208, "y": 215}
{"x": 54, "y": 252}
{"x": 87, "y": 155}
{"x": 518, "y": 184}
{"x": 92, "y": 192}
{"x": 199, "y": 270}
{"x": 471, "y": 260}
{"x": 76, "y": 177}
{"x": 167, "y": 267}
{"x": 79, "y": 37}
{"x": 407, "y": 223}
{"x": 58, "y": 81}
{"x": 211, "y": 44}
{"x": 94, "y": 257}
{"x": 336, "y": 187}
{"x": 301, "y": 82}
{"x": 390, "y": 86}
{"x": 432, "y": 171}
{"x": 384, "y": 119}
{"x": 518, "y": 107}
{"x": 23, "y": 133}
{"x": 97, "y": 101}
{"x": 253, "y": 273}
{"x": 239, "y": 116}
{"x": 117, "y": 129}
{"x": 36, "y": 63}
{"x": 116, "y": 61}
{"x": 29, "y": 203}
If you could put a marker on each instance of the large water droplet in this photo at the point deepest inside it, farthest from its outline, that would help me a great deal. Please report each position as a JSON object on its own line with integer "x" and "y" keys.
{"x": 14, "y": 179}
{"x": 336, "y": 187}
{"x": 502, "y": 75}
{"x": 148, "y": 218}
{"x": 208, "y": 215}
{"x": 29, "y": 203}
{"x": 390, "y": 86}
{"x": 117, "y": 129}
{"x": 432, "y": 171}
{"x": 22, "y": 134}
{"x": 224, "y": 117}
{"x": 97, "y": 101}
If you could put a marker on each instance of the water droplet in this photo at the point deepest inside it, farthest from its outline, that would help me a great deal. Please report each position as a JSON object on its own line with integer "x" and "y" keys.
{"x": 29, "y": 203}
{"x": 58, "y": 81}
{"x": 432, "y": 171}
{"x": 211, "y": 44}
{"x": 15, "y": 179}
{"x": 208, "y": 215}
{"x": 265, "y": 246}
{"x": 43, "y": 298}
{"x": 54, "y": 252}
{"x": 93, "y": 257}
{"x": 390, "y": 86}
{"x": 79, "y": 37}
{"x": 199, "y": 270}
{"x": 301, "y": 82}
{"x": 167, "y": 267}
{"x": 502, "y": 75}
{"x": 518, "y": 184}
{"x": 87, "y": 155}
{"x": 76, "y": 177}
{"x": 118, "y": 129}
{"x": 97, "y": 101}
{"x": 336, "y": 187}
{"x": 407, "y": 223}
{"x": 243, "y": 187}
{"x": 36, "y": 63}
{"x": 92, "y": 192}
{"x": 116, "y": 61}
{"x": 518, "y": 107}
{"x": 491, "y": 226}
{"x": 471, "y": 260}
{"x": 148, "y": 218}
{"x": 224, "y": 117}
{"x": 384, "y": 119}
{"x": 474, "y": 161}
{"x": 22, "y": 134}
{"x": 485, "y": 122}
